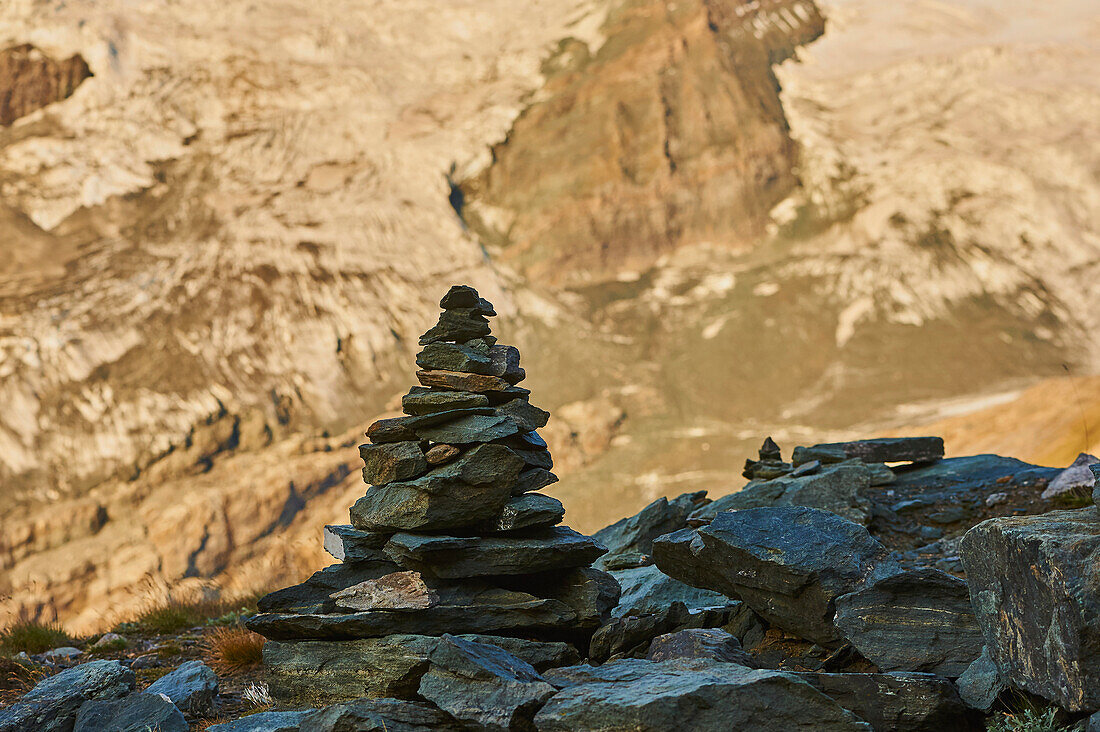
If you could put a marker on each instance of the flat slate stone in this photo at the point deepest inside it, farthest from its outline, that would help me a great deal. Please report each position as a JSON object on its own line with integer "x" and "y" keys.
{"x": 459, "y": 381}
{"x": 53, "y": 704}
{"x": 470, "y": 429}
{"x": 881, "y": 450}
{"x": 349, "y": 545}
{"x": 133, "y": 713}
{"x": 788, "y": 563}
{"x": 455, "y": 357}
{"x": 313, "y": 595}
{"x": 649, "y": 590}
{"x": 264, "y": 722}
{"x": 695, "y": 696}
{"x": 457, "y": 325}
{"x": 464, "y": 296}
{"x": 380, "y": 715}
{"x": 898, "y": 702}
{"x": 421, "y": 401}
{"x": 536, "y": 458}
{"x": 453, "y": 557}
{"x": 470, "y": 491}
{"x": 913, "y": 621}
{"x": 533, "y": 479}
{"x": 395, "y": 591}
{"x": 404, "y": 429}
{"x": 635, "y": 534}
{"x": 392, "y": 461}
{"x": 1035, "y": 589}
{"x": 526, "y": 415}
{"x": 441, "y": 454}
{"x": 529, "y": 511}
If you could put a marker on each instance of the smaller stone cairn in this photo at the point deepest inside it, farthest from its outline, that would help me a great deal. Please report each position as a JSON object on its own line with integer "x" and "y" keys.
{"x": 451, "y": 538}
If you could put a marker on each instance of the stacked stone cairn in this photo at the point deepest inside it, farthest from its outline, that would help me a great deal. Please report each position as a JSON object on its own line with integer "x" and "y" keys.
{"x": 452, "y": 537}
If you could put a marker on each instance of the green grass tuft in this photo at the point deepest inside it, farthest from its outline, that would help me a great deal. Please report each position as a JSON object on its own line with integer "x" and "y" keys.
{"x": 1028, "y": 720}
{"x": 32, "y": 637}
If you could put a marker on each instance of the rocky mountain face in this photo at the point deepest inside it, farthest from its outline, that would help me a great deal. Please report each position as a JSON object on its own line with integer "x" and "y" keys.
{"x": 702, "y": 223}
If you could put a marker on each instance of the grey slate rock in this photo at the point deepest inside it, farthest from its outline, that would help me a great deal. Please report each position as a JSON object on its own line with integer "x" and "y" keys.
{"x": 687, "y": 696}
{"x": 914, "y": 621}
{"x": 467, "y": 492}
{"x": 535, "y": 458}
{"x": 353, "y": 546}
{"x": 312, "y": 596}
{"x": 505, "y": 363}
{"x": 649, "y": 590}
{"x": 459, "y": 381}
{"x": 631, "y": 634}
{"x": 392, "y": 461}
{"x": 529, "y": 511}
{"x": 788, "y": 563}
{"x": 703, "y": 643}
{"x": 457, "y": 325}
{"x": 464, "y": 296}
{"x": 533, "y": 479}
{"x": 192, "y": 687}
{"x": 453, "y": 557}
{"x": 455, "y": 357}
{"x": 1036, "y": 593}
{"x": 897, "y": 702}
{"x": 526, "y": 415}
{"x": 264, "y": 722}
{"x": 483, "y": 685}
{"x": 133, "y": 713}
{"x": 422, "y": 400}
{"x": 380, "y": 715}
{"x": 981, "y": 683}
{"x": 470, "y": 429}
{"x": 53, "y": 704}
{"x": 405, "y": 429}
{"x": 881, "y": 450}
{"x": 636, "y": 533}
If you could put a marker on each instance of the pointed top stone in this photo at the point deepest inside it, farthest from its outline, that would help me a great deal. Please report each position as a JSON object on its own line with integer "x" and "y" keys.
{"x": 769, "y": 450}
{"x": 464, "y": 296}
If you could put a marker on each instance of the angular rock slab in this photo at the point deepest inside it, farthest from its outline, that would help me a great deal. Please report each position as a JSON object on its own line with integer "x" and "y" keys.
{"x": 1035, "y": 587}
{"x": 1077, "y": 477}
{"x": 712, "y": 644}
{"x": 314, "y": 595}
{"x": 457, "y": 325}
{"x": 881, "y": 450}
{"x": 423, "y": 401}
{"x": 192, "y": 687}
{"x": 134, "y": 713}
{"x": 264, "y": 722}
{"x": 787, "y": 563}
{"x": 352, "y": 546}
{"x": 636, "y": 533}
{"x": 392, "y": 461}
{"x": 914, "y": 621}
{"x": 649, "y": 590}
{"x": 455, "y": 357}
{"x": 632, "y": 634}
{"x": 981, "y": 683}
{"x": 454, "y": 557}
{"x": 380, "y": 715}
{"x": 469, "y": 491}
{"x": 900, "y": 702}
{"x": 394, "y": 591}
{"x": 687, "y": 696}
{"x": 458, "y": 381}
{"x": 53, "y": 704}
{"x": 529, "y": 511}
{"x": 483, "y": 685}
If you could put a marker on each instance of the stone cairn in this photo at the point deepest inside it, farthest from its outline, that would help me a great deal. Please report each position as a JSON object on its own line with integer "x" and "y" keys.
{"x": 451, "y": 538}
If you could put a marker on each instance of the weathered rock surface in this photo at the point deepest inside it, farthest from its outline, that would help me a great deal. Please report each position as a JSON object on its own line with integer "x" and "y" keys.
{"x": 533, "y": 479}
{"x": 133, "y": 713}
{"x": 456, "y": 357}
{"x": 881, "y": 450}
{"x": 471, "y": 490}
{"x": 422, "y": 400}
{"x": 477, "y": 383}
{"x": 483, "y": 685}
{"x": 649, "y": 590}
{"x": 264, "y": 722}
{"x": 787, "y": 563}
{"x": 395, "y": 591}
{"x": 457, "y": 325}
{"x": 1077, "y": 478}
{"x": 687, "y": 695}
{"x": 354, "y": 546}
{"x": 1036, "y": 594}
{"x": 914, "y": 621}
{"x": 529, "y": 511}
{"x": 636, "y": 533}
{"x": 630, "y": 635}
{"x": 700, "y": 643}
{"x": 192, "y": 687}
{"x": 897, "y": 702}
{"x": 981, "y": 683}
{"x": 392, "y": 461}
{"x": 314, "y": 595}
{"x": 380, "y": 715}
{"x": 452, "y": 557}
{"x": 52, "y": 705}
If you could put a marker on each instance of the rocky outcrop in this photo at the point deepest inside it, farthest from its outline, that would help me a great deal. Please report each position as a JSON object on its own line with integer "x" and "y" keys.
{"x": 30, "y": 80}
{"x": 54, "y": 703}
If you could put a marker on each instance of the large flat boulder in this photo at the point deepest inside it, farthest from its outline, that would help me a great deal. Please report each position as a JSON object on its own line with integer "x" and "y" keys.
{"x": 897, "y": 702}
{"x": 787, "y": 563}
{"x": 688, "y": 696}
{"x": 880, "y": 450}
{"x": 649, "y": 590}
{"x": 53, "y": 704}
{"x": 1035, "y": 588}
{"x": 454, "y": 557}
{"x": 914, "y": 621}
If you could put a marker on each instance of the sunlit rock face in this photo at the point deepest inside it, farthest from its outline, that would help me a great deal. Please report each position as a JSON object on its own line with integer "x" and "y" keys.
{"x": 29, "y": 80}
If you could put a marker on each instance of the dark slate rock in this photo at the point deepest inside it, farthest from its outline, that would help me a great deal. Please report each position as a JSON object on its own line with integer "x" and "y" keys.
{"x": 1093, "y": 725}
{"x": 483, "y": 685}
{"x": 629, "y": 560}
{"x": 898, "y": 702}
{"x": 533, "y": 479}
{"x": 316, "y": 673}
{"x": 526, "y": 415}
{"x": 837, "y": 488}
{"x": 264, "y": 722}
{"x": 505, "y": 364}
{"x": 649, "y": 590}
{"x": 421, "y": 401}
{"x": 392, "y": 461}
{"x": 590, "y": 593}
{"x": 631, "y": 634}
{"x": 977, "y": 474}
{"x": 464, "y": 296}
{"x": 312, "y": 596}
{"x": 914, "y": 621}
{"x": 455, "y": 357}
{"x": 380, "y": 715}
{"x": 467, "y": 492}
{"x": 636, "y": 533}
{"x": 788, "y": 563}
{"x": 981, "y": 683}
{"x": 405, "y": 429}
{"x": 529, "y": 511}
{"x": 688, "y": 696}
{"x": 457, "y": 325}
{"x": 703, "y": 643}
{"x": 466, "y": 607}
{"x": 1035, "y": 589}
{"x": 352, "y": 546}
{"x": 441, "y": 454}
{"x": 192, "y": 687}
{"x": 52, "y": 705}
{"x": 470, "y": 429}
{"x": 536, "y": 458}
{"x": 386, "y": 431}
{"x": 134, "y": 713}
{"x": 453, "y": 557}
{"x": 477, "y": 383}
{"x": 881, "y": 450}
{"x": 497, "y": 398}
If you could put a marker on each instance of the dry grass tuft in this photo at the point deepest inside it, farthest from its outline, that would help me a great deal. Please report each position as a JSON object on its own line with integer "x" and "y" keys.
{"x": 173, "y": 616}
{"x": 234, "y": 649}
{"x": 32, "y": 637}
